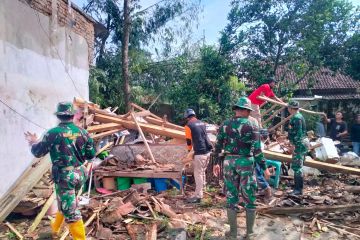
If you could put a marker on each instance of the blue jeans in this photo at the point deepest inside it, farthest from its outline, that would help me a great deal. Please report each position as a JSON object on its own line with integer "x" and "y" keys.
{"x": 261, "y": 181}
{"x": 356, "y": 147}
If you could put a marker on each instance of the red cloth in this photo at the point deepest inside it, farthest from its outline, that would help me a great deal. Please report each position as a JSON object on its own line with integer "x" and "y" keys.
{"x": 265, "y": 90}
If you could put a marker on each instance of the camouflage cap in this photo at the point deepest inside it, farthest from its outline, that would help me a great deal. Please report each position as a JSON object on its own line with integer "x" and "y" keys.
{"x": 293, "y": 104}
{"x": 244, "y": 103}
{"x": 65, "y": 108}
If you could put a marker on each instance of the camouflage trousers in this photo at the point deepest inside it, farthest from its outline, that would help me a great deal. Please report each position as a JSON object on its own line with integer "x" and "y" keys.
{"x": 240, "y": 181}
{"x": 298, "y": 158}
{"x": 66, "y": 189}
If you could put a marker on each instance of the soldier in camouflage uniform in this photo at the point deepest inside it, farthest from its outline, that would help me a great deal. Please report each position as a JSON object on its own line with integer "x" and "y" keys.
{"x": 69, "y": 147}
{"x": 297, "y": 134}
{"x": 240, "y": 139}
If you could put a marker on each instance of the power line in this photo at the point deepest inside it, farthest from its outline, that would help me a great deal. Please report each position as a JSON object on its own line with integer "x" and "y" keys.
{"x": 21, "y": 115}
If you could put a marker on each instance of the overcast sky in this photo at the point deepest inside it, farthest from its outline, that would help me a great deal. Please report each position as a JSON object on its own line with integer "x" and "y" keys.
{"x": 212, "y": 19}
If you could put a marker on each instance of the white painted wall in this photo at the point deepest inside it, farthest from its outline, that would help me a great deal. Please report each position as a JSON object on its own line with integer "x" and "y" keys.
{"x": 33, "y": 80}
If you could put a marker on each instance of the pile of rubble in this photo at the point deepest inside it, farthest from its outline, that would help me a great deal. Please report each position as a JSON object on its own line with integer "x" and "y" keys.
{"x": 141, "y": 214}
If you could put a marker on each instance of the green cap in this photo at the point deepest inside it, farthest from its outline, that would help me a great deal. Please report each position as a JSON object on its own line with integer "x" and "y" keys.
{"x": 244, "y": 103}
{"x": 65, "y": 108}
{"x": 293, "y": 104}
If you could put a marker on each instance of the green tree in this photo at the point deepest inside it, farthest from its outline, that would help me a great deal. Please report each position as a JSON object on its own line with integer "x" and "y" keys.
{"x": 263, "y": 36}
{"x": 147, "y": 25}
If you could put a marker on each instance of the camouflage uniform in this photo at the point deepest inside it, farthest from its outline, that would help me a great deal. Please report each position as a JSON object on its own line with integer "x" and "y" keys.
{"x": 69, "y": 147}
{"x": 240, "y": 139}
{"x": 297, "y": 133}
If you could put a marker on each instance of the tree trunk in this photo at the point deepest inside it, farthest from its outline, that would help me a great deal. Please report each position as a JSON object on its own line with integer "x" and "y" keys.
{"x": 125, "y": 56}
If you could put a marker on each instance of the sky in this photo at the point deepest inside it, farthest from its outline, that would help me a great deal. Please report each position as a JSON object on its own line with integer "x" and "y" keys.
{"x": 212, "y": 19}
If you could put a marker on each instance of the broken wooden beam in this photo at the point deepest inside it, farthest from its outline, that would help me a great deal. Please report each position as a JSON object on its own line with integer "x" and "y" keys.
{"x": 281, "y": 122}
{"x": 151, "y": 234}
{"x": 312, "y": 163}
{"x": 42, "y": 213}
{"x": 273, "y": 115}
{"x": 104, "y": 127}
{"x": 150, "y": 128}
{"x": 269, "y": 110}
{"x": 104, "y": 134}
{"x": 144, "y": 139}
{"x": 22, "y": 186}
{"x": 309, "y": 209}
{"x": 13, "y": 229}
{"x": 143, "y": 109}
{"x": 164, "y": 123}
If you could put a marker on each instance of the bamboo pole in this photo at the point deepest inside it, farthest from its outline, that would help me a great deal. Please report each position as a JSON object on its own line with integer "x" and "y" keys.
{"x": 281, "y": 123}
{"x": 143, "y": 137}
{"x": 269, "y": 110}
{"x": 273, "y": 115}
{"x": 42, "y": 213}
{"x": 285, "y": 105}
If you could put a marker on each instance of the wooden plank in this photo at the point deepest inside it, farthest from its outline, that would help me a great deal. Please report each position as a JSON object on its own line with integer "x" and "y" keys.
{"x": 42, "y": 213}
{"x": 13, "y": 229}
{"x": 273, "y": 115}
{"x": 79, "y": 102}
{"x": 285, "y": 105}
{"x": 143, "y": 109}
{"x": 22, "y": 186}
{"x": 164, "y": 123}
{"x": 150, "y": 128}
{"x": 104, "y": 134}
{"x": 269, "y": 110}
{"x": 281, "y": 123}
{"x": 145, "y": 113}
{"x": 143, "y": 137}
{"x": 312, "y": 163}
{"x": 104, "y": 127}
{"x": 309, "y": 209}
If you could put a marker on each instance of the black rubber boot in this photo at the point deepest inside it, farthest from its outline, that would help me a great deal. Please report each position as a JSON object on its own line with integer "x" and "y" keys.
{"x": 232, "y": 219}
{"x": 250, "y": 222}
{"x": 299, "y": 184}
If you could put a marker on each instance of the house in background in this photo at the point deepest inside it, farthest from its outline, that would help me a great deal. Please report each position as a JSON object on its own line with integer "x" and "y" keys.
{"x": 45, "y": 50}
{"x": 328, "y": 92}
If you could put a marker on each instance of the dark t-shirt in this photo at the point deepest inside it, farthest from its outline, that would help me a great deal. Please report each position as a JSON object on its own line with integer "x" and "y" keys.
{"x": 355, "y": 133}
{"x": 336, "y": 128}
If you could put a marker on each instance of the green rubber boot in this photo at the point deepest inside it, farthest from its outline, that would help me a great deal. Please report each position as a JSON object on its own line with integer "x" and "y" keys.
{"x": 232, "y": 218}
{"x": 250, "y": 222}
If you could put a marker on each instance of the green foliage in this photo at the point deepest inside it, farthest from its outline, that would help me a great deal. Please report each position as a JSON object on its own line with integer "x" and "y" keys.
{"x": 205, "y": 86}
{"x": 302, "y": 35}
{"x": 147, "y": 25}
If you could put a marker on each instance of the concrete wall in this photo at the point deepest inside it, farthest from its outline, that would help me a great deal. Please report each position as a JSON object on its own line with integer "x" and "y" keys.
{"x": 33, "y": 78}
